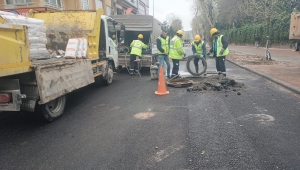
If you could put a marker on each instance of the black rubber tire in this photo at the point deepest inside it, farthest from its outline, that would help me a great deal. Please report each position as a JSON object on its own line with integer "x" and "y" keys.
{"x": 53, "y": 109}
{"x": 109, "y": 76}
{"x": 268, "y": 55}
{"x": 189, "y": 59}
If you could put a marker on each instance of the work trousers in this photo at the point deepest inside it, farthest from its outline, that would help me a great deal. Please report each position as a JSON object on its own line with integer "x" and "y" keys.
{"x": 196, "y": 61}
{"x": 175, "y": 68}
{"x": 133, "y": 65}
{"x": 162, "y": 59}
{"x": 220, "y": 64}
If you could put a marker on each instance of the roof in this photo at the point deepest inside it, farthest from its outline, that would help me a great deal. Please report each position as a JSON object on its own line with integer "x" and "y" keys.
{"x": 138, "y": 22}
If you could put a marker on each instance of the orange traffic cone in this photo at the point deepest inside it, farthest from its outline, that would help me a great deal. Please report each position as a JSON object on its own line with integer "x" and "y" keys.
{"x": 161, "y": 90}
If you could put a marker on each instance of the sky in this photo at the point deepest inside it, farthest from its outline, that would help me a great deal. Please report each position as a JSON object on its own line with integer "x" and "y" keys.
{"x": 180, "y": 9}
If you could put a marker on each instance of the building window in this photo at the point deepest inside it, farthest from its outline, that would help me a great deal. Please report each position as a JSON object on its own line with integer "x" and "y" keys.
{"x": 99, "y": 4}
{"x": 18, "y": 1}
{"x": 85, "y": 4}
{"x": 133, "y": 1}
{"x": 120, "y": 11}
{"x": 53, "y": 2}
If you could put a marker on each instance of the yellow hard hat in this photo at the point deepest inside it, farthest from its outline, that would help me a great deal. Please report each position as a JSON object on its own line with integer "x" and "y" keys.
{"x": 114, "y": 36}
{"x": 140, "y": 36}
{"x": 180, "y": 32}
{"x": 197, "y": 38}
{"x": 213, "y": 30}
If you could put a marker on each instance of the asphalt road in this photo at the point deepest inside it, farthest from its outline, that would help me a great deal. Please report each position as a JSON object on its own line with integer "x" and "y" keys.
{"x": 126, "y": 126}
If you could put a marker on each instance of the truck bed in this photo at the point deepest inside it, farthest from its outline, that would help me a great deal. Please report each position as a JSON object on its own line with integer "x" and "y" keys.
{"x": 57, "y": 77}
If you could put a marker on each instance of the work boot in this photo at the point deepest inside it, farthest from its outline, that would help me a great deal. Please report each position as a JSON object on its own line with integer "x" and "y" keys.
{"x": 131, "y": 71}
{"x": 197, "y": 69}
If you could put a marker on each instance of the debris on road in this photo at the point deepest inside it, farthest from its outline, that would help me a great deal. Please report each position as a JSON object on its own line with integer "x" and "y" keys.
{"x": 248, "y": 59}
{"x": 218, "y": 83}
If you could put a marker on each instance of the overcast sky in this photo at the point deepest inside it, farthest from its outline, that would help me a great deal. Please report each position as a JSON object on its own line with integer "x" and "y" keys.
{"x": 180, "y": 8}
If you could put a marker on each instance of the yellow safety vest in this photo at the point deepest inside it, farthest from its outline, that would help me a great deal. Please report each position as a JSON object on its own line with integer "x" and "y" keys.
{"x": 198, "y": 47}
{"x": 176, "y": 49}
{"x": 220, "y": 46}
{"x": 164, "y": 44}
{"x": 137, "y": 46}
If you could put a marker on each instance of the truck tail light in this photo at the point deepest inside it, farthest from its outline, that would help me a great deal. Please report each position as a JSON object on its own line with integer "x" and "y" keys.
{"x": 5, "y": 98}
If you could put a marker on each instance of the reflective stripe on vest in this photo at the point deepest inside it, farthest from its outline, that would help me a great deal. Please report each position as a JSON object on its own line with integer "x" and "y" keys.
{"x": 198, "y": 47}
{"x": 164, "y": 44}
{"x": 172, "y": 44}
{"x": 137, "y": 44}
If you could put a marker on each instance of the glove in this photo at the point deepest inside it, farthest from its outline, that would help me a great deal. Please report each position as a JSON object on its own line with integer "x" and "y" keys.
{"x": 201, "y": 55}
{"x": 222, "y": 51}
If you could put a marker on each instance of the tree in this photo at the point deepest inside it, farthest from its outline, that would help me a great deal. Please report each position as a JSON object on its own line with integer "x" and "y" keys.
{"x": 176, "y": 24}
{"x": 231, "y": 13}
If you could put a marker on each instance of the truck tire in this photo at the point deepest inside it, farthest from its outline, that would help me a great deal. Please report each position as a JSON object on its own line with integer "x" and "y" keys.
{"x": 189, "y": 59}
{"x": 107, "y": 80}
{"x": 53, "y": 109}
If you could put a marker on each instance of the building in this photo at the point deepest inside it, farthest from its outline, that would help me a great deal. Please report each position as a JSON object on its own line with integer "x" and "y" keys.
{"x": 110, "y": 7}
{"x": 23, "y": 6}
{"x": 121, "y": 7}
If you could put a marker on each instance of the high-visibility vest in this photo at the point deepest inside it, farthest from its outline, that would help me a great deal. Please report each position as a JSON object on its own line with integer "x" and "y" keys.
{"x": 136, "y": 47}
{"x": 220, "y": 46}
{"x": 176, "y": 49}
{"x": 198, "y": 47}
{"x": 164, "y": 44}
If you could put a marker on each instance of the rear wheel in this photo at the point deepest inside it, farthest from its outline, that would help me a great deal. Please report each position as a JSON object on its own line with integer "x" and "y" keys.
{"x": 53, "y": 109}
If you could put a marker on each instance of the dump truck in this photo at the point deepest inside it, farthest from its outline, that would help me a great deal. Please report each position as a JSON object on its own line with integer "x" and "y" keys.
{"x": 41, "y": 85}
{"x": 294, "y": 33}
{"x": 138, "y": 24}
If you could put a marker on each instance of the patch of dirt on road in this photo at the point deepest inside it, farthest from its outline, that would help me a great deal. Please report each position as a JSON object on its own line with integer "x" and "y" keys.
{"x": 214, "y": 83}
{"x": 248, "y": 59}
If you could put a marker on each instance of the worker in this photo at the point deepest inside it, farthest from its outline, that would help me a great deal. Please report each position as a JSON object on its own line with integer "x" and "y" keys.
{"x": 163, "y": 46}
{"x": 114, "y": 38}
{"x": 198, "y": 48}
{"x": 176, "y": 51}
{"x": 220, "y": 50}
{"x": 136, "y": 53}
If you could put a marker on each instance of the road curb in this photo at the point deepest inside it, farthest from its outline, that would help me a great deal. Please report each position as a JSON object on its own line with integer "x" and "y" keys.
{"x": 285, "y": 85}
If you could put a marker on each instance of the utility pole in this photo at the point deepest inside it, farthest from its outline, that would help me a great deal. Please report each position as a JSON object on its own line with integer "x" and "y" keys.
{"x": 152, "y": 37}
{"x": 113, "y": 7}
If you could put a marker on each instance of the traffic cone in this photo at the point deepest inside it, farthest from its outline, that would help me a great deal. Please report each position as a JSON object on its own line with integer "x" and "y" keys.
{"x": 161, "y": 89}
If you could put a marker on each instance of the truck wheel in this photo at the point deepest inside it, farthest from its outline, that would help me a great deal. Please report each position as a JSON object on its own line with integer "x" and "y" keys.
{"x": 109, "y": 76}
{"x": 53, "y": 109}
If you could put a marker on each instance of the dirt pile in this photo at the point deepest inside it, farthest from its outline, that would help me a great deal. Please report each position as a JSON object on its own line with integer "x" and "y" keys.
{"x": 248, "y": 59}
{"x": 217, "y": 83}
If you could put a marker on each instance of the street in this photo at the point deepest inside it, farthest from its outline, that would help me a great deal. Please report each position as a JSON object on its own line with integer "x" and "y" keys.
{"x": 126, "y": 126}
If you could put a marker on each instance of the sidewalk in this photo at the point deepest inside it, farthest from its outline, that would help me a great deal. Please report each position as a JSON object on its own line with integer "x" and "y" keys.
{"x": 285, "y": 71}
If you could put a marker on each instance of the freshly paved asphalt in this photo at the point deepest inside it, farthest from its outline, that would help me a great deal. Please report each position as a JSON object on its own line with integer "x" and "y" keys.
{"x": 126, "y": 126}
